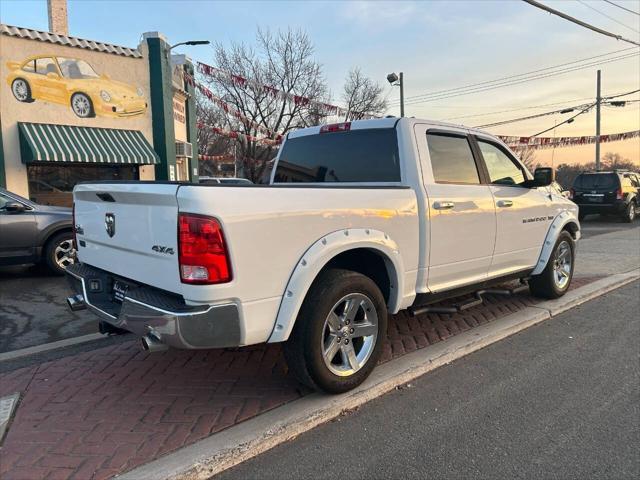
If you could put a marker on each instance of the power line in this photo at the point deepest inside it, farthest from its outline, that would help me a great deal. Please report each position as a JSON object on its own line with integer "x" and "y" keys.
{"x": 562, "y": 110}
{"x": 486, "y": 114}
{"x": 608, "y": 16}
{"x": 506, "y": 84}
{"x": 579, "y": 22}
{"x": 525, "y": 74}
{"x": 568, "y": 120}
{"x": 623, "y": 8}
{"x": 530, "y": 117}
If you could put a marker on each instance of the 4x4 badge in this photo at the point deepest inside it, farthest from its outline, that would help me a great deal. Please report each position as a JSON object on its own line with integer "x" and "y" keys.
{"x": 110, "y": 224}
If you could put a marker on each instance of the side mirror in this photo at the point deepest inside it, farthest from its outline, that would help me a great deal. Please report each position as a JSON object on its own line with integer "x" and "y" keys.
{"x": 53, "y": 75}
{"x": 544, "y": 176}
{"x": 14, "y": 207}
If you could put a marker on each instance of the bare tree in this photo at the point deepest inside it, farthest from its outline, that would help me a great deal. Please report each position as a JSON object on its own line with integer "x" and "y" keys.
{"x": 528, "y": 157}
{"x": 276, "y": 87}
{"x": 362, "y": 96}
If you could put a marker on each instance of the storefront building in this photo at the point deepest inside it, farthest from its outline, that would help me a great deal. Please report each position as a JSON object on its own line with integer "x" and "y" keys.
{"x": 74, "y": 110}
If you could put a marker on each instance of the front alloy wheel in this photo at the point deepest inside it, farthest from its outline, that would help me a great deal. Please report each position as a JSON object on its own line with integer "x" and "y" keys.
{"x": 555, "y": 279}
{"x": 81, "y": 105}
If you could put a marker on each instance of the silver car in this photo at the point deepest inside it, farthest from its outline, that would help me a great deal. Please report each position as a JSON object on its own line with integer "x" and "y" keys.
{"x": 32, "y": 233}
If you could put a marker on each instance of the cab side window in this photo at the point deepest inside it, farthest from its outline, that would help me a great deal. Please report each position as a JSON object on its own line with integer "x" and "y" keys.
{"x": 502, "y": 169}
{"x": 46, "y": 65}
{"x": 3, "y": 201}
{"x": 451, "y": 159}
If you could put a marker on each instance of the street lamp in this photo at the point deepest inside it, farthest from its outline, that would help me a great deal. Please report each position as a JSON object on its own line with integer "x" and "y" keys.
{"x": 190, "y": 43}
{"x": 398, "y": 80}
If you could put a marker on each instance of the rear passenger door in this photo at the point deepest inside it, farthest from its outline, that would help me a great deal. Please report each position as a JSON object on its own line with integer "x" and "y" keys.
{"x": 524, "y": 215}
{"x": 461, "y": 222}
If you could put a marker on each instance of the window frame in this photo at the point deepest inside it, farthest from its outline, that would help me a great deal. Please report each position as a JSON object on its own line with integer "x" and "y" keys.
{"x": 525, "y": 173}
{"x": 482, "y": 174}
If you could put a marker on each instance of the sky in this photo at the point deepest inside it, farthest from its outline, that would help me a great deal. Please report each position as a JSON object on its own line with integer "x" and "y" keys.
{"x": 438, "y": 45}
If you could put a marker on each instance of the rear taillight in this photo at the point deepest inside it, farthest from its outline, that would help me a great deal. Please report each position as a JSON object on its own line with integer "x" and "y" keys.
{"x": 619, "y": 194}
{"x": 203, "y": 254}
{"x": 572, "y": 194}
{"x": 336, "y": 127}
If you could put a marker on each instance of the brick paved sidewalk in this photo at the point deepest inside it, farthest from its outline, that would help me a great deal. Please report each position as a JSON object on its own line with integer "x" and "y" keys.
{"x": 96, "y": 414}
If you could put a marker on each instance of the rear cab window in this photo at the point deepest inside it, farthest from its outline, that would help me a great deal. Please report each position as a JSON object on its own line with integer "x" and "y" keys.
{"x": 590, "y": 181}
{"x": 354, "y": 156}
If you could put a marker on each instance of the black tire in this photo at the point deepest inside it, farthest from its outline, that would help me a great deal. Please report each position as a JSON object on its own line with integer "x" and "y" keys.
{"x": 545, "y": 285}
{"x": 82, "y": 105}
{"x": 629, "y": 212}
{"x": 18, "y": 87}
{"x": 304, "y": 348}
{"x": 52, "y": 255}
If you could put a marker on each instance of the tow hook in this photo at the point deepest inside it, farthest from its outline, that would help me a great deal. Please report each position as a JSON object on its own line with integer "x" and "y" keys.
{"x": 76, "y": 303}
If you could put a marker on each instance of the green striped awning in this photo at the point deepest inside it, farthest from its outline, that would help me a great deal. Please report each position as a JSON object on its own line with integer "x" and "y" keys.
{"x": 44, "y": 142}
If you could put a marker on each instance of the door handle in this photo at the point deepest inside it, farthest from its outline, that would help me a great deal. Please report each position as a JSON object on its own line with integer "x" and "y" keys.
{"x": 505, "y": 203}
{"x": 443, "y": 205}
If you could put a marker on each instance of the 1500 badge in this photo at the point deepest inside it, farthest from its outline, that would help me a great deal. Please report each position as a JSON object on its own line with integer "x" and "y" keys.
{"x": 162, "y": 249}
{"x": 538, "y": 219}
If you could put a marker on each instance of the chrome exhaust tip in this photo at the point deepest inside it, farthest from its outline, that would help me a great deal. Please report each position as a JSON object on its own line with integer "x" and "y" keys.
{"x": 76, "y": 303}
{"x": 151, "y": 344}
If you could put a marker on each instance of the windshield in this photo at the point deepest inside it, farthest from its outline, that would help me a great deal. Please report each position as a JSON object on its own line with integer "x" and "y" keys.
{"x": 76, "y": 69}
{"x": 596, "y": 180}
{"x": 354, "y": 156}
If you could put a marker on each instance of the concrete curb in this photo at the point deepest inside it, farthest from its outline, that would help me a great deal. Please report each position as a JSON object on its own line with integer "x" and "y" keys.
{"x": 248, "y": 439}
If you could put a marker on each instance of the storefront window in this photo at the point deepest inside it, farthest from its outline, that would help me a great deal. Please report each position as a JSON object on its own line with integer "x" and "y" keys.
{"x": 53, "y": 184}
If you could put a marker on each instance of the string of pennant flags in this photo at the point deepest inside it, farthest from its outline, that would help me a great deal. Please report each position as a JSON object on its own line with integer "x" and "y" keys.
{"x": 240, "y": 81}
{"x": 536, "y": 143}
{"x": 273, "y": 139}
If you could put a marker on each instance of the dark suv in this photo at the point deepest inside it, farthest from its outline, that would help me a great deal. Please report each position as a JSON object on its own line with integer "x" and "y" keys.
{"x": 32, "y": 233}
{"x": 616, "y": 192}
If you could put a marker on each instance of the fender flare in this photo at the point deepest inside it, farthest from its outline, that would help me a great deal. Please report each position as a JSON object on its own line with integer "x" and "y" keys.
{"x": 557, "y": 226}
{"x": 319, "y": 255}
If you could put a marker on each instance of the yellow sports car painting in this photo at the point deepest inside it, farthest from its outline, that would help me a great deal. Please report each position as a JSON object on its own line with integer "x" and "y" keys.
{"x": 73, "y": 82}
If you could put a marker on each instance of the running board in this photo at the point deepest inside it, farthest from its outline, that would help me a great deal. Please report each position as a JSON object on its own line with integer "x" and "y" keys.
{"x": 473, "y": 302}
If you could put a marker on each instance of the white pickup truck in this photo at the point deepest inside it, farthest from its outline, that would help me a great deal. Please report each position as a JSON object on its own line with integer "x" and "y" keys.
{"x": 360, "y": 220}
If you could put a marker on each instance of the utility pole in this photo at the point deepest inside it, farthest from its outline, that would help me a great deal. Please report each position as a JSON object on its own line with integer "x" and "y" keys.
{"x": 401, "y": 94}
{"x": 598, "y": 100}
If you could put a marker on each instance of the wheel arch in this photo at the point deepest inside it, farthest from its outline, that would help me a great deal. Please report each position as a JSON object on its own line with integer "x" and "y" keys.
{"x": 370, "y": 252}
{"x": 564, "y": 222}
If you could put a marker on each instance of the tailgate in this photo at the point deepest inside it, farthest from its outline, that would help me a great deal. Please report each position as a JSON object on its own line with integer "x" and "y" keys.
{"x": 129, "y": 229}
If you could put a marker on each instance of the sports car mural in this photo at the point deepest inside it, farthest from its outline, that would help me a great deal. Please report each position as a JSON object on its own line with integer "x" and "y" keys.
{"x": 73, "y": 82}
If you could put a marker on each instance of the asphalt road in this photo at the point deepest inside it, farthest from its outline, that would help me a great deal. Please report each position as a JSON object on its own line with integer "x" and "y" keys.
{"x": 560, "y": 400}
{"x": 33, "y": 309}
{"x": 594, "y": 225}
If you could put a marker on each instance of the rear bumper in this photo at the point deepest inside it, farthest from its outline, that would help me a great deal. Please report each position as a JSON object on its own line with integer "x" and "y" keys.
{"x": 148, "y": 311}
{"x": 615, "y": 207}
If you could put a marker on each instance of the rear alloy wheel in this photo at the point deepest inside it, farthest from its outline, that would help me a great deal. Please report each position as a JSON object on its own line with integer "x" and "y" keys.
{"x": 337, "y": 339}
{"x": 60, "y": 253}
{"x": 82, "y": 105}
{"x": 21, "y": 90}
{"x": 630, "y": 212}
{"x": 555, "y": 279}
